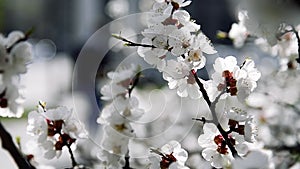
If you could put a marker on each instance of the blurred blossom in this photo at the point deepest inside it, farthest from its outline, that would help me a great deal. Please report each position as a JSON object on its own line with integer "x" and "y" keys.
{"x": 255, "y": 159}
{"x": 145, "y": 5}
{"x": 45, "y": 49}
{"x": 117, "y": 8}
{"x": 53, "y": 77}
{"x": 15, "y": 55}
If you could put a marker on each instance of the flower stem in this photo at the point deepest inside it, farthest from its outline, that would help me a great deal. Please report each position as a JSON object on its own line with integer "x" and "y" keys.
{"x": 74, "y": 163}
{"x": 134, "y": 82}
{"x": 127, "y": 163}
{"x": 8, "y": 144}
{"x": 130, "y": 43}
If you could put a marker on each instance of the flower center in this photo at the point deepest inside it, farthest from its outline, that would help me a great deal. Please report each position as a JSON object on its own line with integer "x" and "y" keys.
{"x": 221, "y": 143}
{"x": 219, "y": 140}
{"x": 230, "y": 82}
{"x": 54, "y": 127}
{"x": 167, "y": 160}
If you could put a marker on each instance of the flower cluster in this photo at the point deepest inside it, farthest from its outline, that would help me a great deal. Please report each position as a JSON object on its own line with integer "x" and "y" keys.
{"x": 231, "y": 127}
{"x": 117, "y": 116}
{"x": 274, "y": 29}
{"x": 216, "y": 150}
{"x": 171, "y": 155}
{"x": 54, "y": 129}
{"x": 175, "y": 45}
{"x": 235, "y": 80}
{"x": 276, "y": 108}
{"x": 15, "y": 54}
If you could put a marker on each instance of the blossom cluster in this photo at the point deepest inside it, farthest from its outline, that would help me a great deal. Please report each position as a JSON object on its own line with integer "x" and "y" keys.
{"x": 175, "y": 45}
{"x": 116, "y": 117}
{"x": 54, "y": 129}
{"x": 276, "y": 109}
{"x": 230, "y": 86}
{"x": 15, "y": 54}
{"x": 236, "y": 80}
{"x": 170, "y": 155}
{"x": 275, "y": 30}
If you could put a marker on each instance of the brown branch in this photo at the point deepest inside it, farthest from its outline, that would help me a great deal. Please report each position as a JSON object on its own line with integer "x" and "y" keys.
{"x": 134, "y": 82}
{"x": 298, "y": 40}
{"x": 202, "y": 89}
{"x": 8, "y": 144}
{"x": 74, "y": 163}
{"x": 212, "y": 106}
{"x": 26, "y": 36}
{"x": 127, "y": 163}
{"x": 130, "y": 43}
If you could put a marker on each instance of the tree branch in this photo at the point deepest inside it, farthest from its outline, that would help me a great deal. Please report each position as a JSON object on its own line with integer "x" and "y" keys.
{"x": 134, "y": 82}
{"x": 127, "y": 163}
{"x": 130, "y": 43}
{"x": 202, "y": 89}
{"x": 74, "y": 163}
{"x": 212, "y": 107}
{"x": 8, "y": 144}
{"x": 26, "y": 36}
{"x": 298, "y": 40}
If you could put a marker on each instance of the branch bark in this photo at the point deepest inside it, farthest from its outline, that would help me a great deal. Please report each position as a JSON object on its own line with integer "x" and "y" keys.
{"x": 212, "y": 107}
{"x": 8, "y": 144}
{"x": 298, "y": 40}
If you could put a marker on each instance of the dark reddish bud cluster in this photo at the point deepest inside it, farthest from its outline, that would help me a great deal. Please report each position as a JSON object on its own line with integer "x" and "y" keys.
{"x": 236, "y": 127}
{"x": 29, "y": 157}
{"x": 55, "y": 127}
{"x": 175, "y": 5}
{"x": 167, "y": 160}
{"x": 64, "y": 140}
{"x": 194, "y": 72}
{"x": 230, "y": 83}
{"x": 221, "y": 143}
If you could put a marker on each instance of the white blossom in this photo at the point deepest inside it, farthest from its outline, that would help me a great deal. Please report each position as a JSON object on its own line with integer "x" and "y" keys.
{"x": 237, "y": 80}
{"x": 238, "y": 33}
{"x": 171, "y": 156}
{"x": 179, "y": 76}
{"x": 214, "y": 152}
{"x": 15, "y": 54}
{"x": 54, "y": 129}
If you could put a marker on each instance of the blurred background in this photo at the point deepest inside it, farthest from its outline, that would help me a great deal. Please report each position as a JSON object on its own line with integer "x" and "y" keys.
{"x": 70, "y": 23}
{"x": 61, "y": 28}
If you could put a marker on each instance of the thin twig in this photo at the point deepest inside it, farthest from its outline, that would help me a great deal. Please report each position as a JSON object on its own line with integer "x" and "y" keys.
{"x": 26, "y": 36}
{"x": 203, "y": 120}
{"x": 298, "y": 40}
{"x": 8, "y": 144}
{"x": 130, "y": 43}
{"x": 202, "y": 89}
{"x": 134, "y": 82}
{"x": 127, "y": 163}
{"x": 74, "y": 163}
